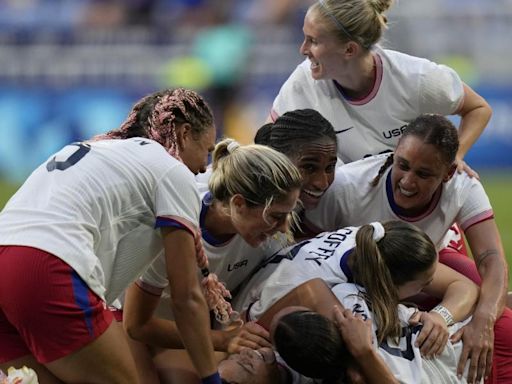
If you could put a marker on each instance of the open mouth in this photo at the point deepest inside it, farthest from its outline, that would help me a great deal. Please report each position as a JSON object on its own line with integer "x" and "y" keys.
{"x": 314, "y": 194}
{"x": 405, "y": 192}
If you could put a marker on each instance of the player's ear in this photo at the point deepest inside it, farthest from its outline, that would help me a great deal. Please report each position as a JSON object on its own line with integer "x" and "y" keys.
{"x": 183, "y": 134}
{"x": 352, "y": 49}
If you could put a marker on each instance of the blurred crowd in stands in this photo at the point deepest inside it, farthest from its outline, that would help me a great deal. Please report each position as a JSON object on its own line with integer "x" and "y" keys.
{"x": 77, "y": 66}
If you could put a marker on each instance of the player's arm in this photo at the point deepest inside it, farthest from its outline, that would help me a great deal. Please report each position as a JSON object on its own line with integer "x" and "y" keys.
{"x": 141, "y": 324}
{"x": 478, "y": 336}
{"x": 458, "y": 297}
{"x": 357, "y": 334}
{"x": 316, "y": 295}
{"x": 188, "y": 303}
{"x": 475, "y": 113}
{"x": 313, "y": 294}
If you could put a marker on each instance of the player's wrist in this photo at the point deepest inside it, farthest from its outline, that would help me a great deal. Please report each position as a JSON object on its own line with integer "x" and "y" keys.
{"x": 444, "y": 313}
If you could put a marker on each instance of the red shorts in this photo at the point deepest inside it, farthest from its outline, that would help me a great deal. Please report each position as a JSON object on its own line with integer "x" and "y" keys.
{"x": 46, "y": 309}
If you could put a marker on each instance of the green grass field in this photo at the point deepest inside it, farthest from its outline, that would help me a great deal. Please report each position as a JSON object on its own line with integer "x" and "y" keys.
{"x": 497, "y": 185}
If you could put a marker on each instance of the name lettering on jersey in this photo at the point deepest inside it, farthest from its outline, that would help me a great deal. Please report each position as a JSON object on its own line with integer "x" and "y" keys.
{"x": 394, "y": 132}
{"x": 329, "y": 245}
{"x": 240, "y": 264}
{"x": 358, "y": 309}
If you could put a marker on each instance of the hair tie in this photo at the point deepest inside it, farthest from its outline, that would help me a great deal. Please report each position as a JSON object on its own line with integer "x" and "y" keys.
{"x": 378, "y": 231}
{"x": 233, "y": 146}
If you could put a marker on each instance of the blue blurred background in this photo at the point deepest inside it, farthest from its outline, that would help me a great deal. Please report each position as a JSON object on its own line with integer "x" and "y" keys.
{"x": 72, "y": 68}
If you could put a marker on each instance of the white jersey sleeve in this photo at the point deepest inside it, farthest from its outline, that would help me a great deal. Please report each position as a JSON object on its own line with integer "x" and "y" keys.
{"x": 471, "y": 198}
{"x": 178, "y": 200}
{"x": 441, "y": 90}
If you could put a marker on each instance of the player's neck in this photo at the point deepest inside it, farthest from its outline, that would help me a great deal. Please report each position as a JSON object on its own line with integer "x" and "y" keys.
{"x": 218, "y": 223}
{"x": 359, "y": 80}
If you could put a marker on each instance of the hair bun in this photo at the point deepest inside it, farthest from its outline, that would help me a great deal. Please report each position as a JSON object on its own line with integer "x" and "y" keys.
{"x": 233, "y": 146}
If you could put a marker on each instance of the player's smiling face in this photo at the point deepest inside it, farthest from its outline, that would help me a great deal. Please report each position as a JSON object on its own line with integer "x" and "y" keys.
{"x": 323, "y": 48}
{"x": 256, "y": 223}
{"x": 418, "y": 171}
{"x": 316, "y": 163}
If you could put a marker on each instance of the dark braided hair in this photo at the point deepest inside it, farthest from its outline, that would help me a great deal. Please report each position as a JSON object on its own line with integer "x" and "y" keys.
{"x": 433, "y": 129}
{"x": 294, "y": 130}
{"x": 156, "y": 116}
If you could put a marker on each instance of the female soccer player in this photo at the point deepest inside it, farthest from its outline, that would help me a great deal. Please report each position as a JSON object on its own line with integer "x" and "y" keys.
{"x": 369, "y": 94}
{"x": 86, "y": 223}
{"x": 418, "y": 184}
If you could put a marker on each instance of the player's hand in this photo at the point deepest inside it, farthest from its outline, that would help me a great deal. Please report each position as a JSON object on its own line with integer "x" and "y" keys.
{"x": 356, "y": 332}
{"x": 462, "y": 166}
{"x": 355, "y": 376}
{"x": 477, "y": 346}
{"x": 249, "y": 335}
{"x": 433, "y": 335}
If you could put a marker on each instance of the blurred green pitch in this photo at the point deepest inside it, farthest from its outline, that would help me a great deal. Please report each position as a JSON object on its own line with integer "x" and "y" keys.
{"x": 497, "y": 185}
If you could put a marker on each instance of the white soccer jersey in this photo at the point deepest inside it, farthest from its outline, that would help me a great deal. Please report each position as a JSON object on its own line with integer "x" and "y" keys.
{"x": 231, "y": 261}
{"x": 319, "y": 257}
{"x": 351, "y": 200}
{"x": 405, "y": 87}
{"x": 94, "y": 205}
{"x": 403, "y": 358}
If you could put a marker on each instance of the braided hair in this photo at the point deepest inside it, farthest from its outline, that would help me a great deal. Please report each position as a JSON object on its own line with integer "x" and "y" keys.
{"x": 432, "y": 129}
{"x": 157, "y": 115}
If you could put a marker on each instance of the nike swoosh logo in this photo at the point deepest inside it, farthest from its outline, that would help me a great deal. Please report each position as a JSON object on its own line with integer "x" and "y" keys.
{"x": 343, "y": 130}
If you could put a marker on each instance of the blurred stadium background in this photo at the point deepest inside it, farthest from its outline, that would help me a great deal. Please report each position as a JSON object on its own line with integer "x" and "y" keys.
{"x": 71, "y": 69}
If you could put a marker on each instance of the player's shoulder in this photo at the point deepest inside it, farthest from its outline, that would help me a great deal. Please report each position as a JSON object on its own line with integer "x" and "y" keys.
{"x": 400, "y": 62}
{"x": 461, "y": 181}
{"x": 357, "y": 170}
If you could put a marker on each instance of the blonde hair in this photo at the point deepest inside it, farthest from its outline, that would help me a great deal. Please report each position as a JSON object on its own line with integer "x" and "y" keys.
{"x": 257, "y": 172}
{"x": 362, "y": 21}
{"x": 261, "y": 175}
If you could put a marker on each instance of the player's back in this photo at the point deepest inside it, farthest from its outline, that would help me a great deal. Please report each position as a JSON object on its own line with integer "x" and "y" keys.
{"x": 86, "y": 198}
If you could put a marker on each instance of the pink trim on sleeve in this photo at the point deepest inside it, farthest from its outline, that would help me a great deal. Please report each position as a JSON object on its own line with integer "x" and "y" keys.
{"x": 486, "y": 215}
{"x": 183, "y": 223}
{"x": 273, "y": 115}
